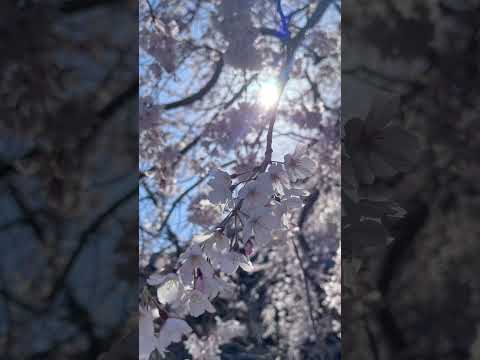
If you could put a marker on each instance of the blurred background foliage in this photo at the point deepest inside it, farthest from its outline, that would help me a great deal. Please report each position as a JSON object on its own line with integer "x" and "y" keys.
{"x": 68, "y": 223}
{"x": 411, "y": 291}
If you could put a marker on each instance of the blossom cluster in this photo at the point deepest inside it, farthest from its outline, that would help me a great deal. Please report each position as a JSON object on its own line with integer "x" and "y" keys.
{"x": 235, "y": 24}
{"x": 257, "y": 204}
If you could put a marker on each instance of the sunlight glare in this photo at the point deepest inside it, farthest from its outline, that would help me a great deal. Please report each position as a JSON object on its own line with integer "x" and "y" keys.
{"x": 269, "y": 93}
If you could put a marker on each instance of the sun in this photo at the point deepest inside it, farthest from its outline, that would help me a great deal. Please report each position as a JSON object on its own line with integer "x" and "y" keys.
{"x": 269, "y": 93}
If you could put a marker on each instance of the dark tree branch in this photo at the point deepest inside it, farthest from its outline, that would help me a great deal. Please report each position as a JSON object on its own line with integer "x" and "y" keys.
{"x": 307, "y": 287}
{"x": 177, "y": 201}
{"x": 202, "y": 92}
{"x": 85, "y": 236}
{"x": 120, "y": 100}
{"x": 292, "y": 47}
{"x": 28, "y": 213}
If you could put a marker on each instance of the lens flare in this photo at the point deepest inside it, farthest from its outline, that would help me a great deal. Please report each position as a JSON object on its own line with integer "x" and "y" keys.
{"x": 269, "y": 93}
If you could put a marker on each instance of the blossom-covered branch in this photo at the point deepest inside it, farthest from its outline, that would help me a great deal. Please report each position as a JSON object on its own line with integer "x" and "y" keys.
{"x": 257, "y": 201}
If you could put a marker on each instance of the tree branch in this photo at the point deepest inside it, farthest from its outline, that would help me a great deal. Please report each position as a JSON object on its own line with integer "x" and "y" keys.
{"x": 177, "y": 201}
{"x": 292, "y": 47}
{"x": 202, "y": 92}
{"x": 307, "y": 288}
{"x": 84, "y": 240}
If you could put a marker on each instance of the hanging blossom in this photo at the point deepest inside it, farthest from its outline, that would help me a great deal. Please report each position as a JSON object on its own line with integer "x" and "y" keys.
{"x": 220, "y": 187}
{"x": 298, "y": 165}
{"x": 171, "y": 330}
{"x": 257, "y": 193}
{"x": 258, "y": 210}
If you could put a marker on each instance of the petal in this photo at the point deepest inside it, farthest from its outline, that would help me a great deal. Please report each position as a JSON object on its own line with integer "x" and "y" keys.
{"x": 206, "y": 268}
{"x": 186, "y": 273}
{"x": 308, "y": 163}
{"x": 247, "y": 231}
{"x": 155, "y": 279}
{"x": 175, "y": 329}
{"x": 221, "y": 242}
{"x": 294, "y": 202}
{"x": 198, "y": 303}
{"x": 162, "y": 342}
{"x": 212, "y": 287}
{"x": 228, "y": 263}
{"x": 199, "y": 239}
{"x": 264, "y": 183}
{"x": 170, "y": 291}
{"x": 298, "y": 192}
{"x": 146, "y": 334}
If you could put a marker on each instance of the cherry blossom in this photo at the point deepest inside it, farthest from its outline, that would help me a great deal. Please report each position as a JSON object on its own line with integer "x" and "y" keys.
{"x": 293, "y": 198}
{"x": 216, "y": 247}
{"x": 202, "y": 212}
{"x": 279, "y": 178}
{"x": 192, "y": 260}
{"x": 162, "y": 44}
{"x": 210, "y": 286}
{"x": 298, "y": 165}
{"x": 170, "y": 290}
{"x": 257, "y": 192}
{"x": 250, "y": 201}
{"x": 172, "y": 330}
{"x": 260, "y": 223}
{"x": 229, "y": 261}
{"x": 197, "y": 303}
{"x": 146, "y": 335}
{"x": 213, "y": 241}
{"x": 220, "y": 187}
{"x": 241, "y": 53}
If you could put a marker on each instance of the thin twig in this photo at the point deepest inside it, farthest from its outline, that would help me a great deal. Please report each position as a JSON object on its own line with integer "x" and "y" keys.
{"x": 84, "y": 241}
{"x": 307, "y": 287}
{"x": 202, "y": 92}
{"x": 177, "y": 201}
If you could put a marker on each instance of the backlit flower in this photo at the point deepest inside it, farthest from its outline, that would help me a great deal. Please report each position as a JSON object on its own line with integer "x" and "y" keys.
{"x": 172, "y": 331}
{"x": 210, "y": 286}
{"x": 298, "y": 165}
{"x": 220, "y": 184}
{"x": 257, "y": 193}
{"x": 146, "y": 334}
{"x": 192, "y": 260}
{"x": 228, "y": 262}
{"x": 279, "y": 178}
{"x": 197, "y": 303}
{"x": 260, "y": 223}
{"x": 213, "y": 241}
{"x": 170, "y": 290}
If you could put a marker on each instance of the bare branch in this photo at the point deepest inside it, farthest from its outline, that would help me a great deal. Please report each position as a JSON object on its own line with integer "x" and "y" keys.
{"x": 202, "y": 92}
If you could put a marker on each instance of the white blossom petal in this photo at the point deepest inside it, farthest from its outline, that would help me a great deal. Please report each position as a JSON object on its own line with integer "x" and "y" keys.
{"x": 146, "y": 335}
{"x": 186, "y": 273}
{"x": 298, "y": 165}
{"x": 174, "y": 329}
{"x": 219, "y": 185}
{"x": 198, "y": 303}
{"x": 155, "y": 279}
{"x": 256, "y": 193}
{"x": 170, "y": 291}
